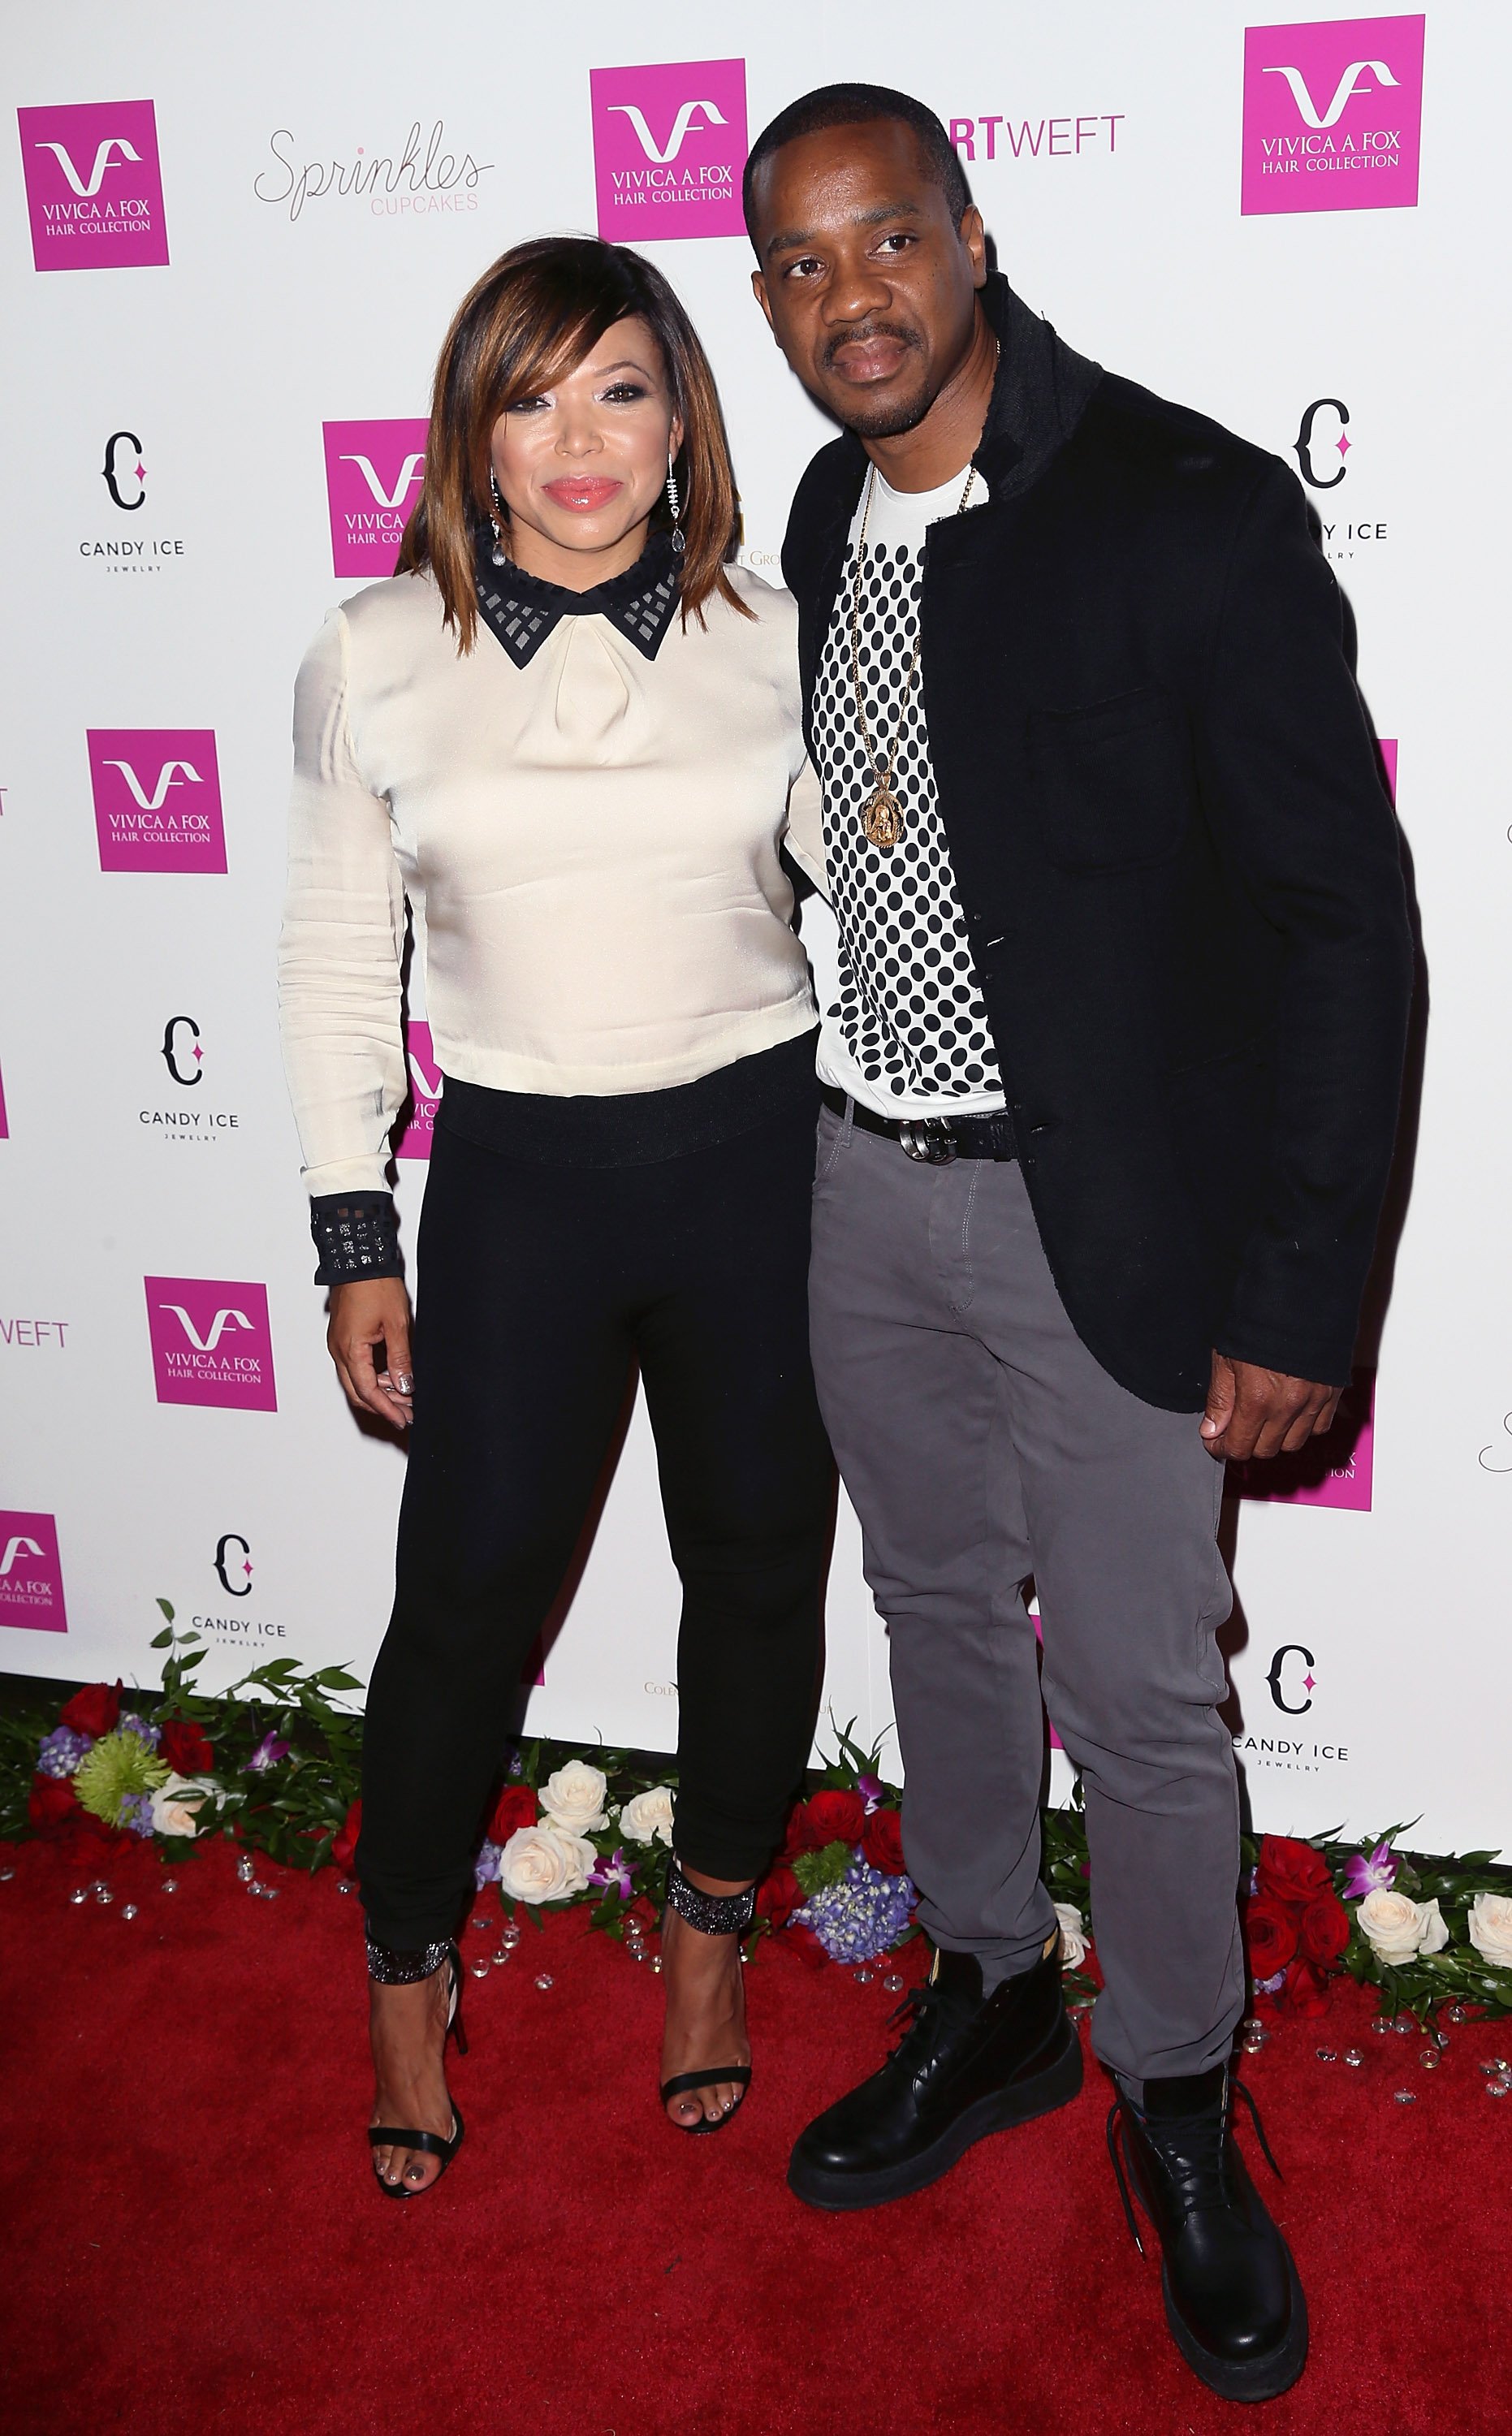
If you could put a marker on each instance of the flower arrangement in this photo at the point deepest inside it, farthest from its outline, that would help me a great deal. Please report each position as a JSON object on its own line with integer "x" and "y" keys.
{"x": 273, "y": 1763}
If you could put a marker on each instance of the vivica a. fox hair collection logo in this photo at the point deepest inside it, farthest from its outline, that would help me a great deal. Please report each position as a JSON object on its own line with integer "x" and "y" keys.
{"x": 669, "y": 149}
{"x": 157, "y": 799}
{"x": 211, "y": 1343}
{"x": 373, "y": 472}
{"x": 94, "y": 187}
{"x": 1333, "y": 115}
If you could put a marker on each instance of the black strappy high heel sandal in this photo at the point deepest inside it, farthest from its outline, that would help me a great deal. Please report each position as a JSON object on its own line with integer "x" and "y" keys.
{"x": 716, "y": 1916}
{"x": 400, "y": 1970}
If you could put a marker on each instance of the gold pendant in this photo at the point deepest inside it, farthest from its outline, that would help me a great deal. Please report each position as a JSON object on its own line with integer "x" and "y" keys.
{"x": 882, "y": 820}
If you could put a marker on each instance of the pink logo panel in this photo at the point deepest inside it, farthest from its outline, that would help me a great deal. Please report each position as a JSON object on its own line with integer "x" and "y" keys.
{"x": 94, "y": 187}
{"x": 1333, "y": 115}
{"x": 419, "y": 1116}
{"x": 374, "y": 472}
{"x": 5, "y": 1124}
{"x": 669, "y": 149}
{"x": 157, "y": 799}
{"x": 1388, "y": 760}
{"x": 31, "y": 1578}
{"x": 211, "y": 1343}
{"x": 1336, "y": 1470}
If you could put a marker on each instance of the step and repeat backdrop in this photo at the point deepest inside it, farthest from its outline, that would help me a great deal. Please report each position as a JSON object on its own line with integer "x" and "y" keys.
{"x": 230, "y": 241}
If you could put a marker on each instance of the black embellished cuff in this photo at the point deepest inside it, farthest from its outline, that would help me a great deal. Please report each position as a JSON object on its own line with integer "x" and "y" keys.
{"x": 399, "y": 1967}
{"x": 357, "y": 1235}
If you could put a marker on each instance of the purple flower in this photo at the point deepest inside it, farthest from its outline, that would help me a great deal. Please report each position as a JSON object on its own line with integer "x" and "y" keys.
{"x": 865, "y": 1914}
{"x": 1362, "y": 1877}
{"x": 136, "y": 1813}
{"x": 1269, "y": 1987}
{"x": 873, "y": 1792}
{"x": 486, "y": 1867}
{"x": 62, "y": 1751}
{"x": 269, "y": 1752}
{"x": 151, "y": 1735}
{"x": 615, "y": 1872}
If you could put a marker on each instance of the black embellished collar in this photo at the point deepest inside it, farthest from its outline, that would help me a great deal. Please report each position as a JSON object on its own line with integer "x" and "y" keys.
{"x": 522, "y": 610}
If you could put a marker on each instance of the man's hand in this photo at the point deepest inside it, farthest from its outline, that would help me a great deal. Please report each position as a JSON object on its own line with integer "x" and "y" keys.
{"x": 368, "y": 1313}
{"x": 1255, "y": 1412}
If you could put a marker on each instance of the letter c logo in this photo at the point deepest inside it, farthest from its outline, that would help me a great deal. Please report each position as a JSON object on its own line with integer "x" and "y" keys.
{"x": 229, "y": 1540}
{"x": 169, "y": 1051}
{"x": 1302, "y": 445}
{"x": 1291, "y": 1649}
{"x": 111, "y": 472}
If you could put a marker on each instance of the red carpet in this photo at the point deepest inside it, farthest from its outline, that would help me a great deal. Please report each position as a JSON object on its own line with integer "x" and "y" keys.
{"x": 193, "y": 2243}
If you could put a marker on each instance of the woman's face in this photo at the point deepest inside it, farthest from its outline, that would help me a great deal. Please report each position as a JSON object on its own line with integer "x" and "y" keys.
{"x": 581, "y": 466}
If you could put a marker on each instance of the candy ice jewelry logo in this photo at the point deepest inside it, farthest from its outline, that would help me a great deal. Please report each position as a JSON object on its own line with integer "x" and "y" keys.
{"x": 669, "y": 149}
{"x": 157, "y": 799}
{"x": 94, "y": 187}
{"x": 187, "y": 1119}
{"x": 31, "y": 1578}
{"x": 121, "y": 449}
{"x": 211, "y": 1343}
{"x": 1333, "y": 115}
{"x": 419, "y": 1117}
{"x": 233, "y": 1564}
{"x": 373, "y": 472}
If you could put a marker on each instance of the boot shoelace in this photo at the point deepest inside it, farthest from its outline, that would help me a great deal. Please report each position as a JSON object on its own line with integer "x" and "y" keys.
{"x": 926, "y": 2017}
{"x": 1199, "y": 2165}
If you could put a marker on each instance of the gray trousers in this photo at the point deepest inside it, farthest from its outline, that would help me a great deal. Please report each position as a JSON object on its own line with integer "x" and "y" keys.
{"x": 981, "y": 1443}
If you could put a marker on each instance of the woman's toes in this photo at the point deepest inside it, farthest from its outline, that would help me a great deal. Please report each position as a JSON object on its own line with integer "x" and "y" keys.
{"x": 419, "y": 2170}
{"x": 382, "y": 2159}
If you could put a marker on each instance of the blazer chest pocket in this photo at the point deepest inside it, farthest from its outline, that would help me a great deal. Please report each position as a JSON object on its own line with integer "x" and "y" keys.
{"x": 1113, "y": 780}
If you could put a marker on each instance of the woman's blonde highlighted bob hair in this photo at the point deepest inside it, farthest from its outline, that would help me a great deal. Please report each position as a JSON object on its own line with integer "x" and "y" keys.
{"x": 531, "y": 318}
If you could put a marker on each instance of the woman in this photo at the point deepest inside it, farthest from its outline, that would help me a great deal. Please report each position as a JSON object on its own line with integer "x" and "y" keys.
{"x": 567, "y": 731}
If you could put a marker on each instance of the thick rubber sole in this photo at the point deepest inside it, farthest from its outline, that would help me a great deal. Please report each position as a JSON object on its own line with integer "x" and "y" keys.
{"x": 1004, "y": 2110}
{"x": 1253, "y": 2380}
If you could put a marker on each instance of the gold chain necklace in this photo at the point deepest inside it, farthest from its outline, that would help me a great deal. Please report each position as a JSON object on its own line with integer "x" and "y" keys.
{"x": 881, "y": 815}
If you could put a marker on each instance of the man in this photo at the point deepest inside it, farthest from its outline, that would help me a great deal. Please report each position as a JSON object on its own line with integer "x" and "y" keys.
{"x": 1111, "y": 1082}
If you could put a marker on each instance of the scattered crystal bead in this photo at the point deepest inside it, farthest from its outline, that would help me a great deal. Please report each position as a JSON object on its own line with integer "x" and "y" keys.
{"x": 1457, "y": 2013}
{"x": 7, "y": 1872}
{"x": 1498, "y": 2085}
{"x": 1404, "y": 2026}
{"x": 127, "y": 1911}
{"x": 103, "y": 1894}
{"x": 246, "y": 1872}
{"x": 479, "y": 1969}
{"x": 1429, "y": 2058}
{"x": 1328, "y": 2055}
{"x": 864, "y": 1977}
{"x": 503, "y": 1954}
{"x": 80, "y": 1894}
{"x": 543, "y": 1980}
{"x": 894, "y": 1983}
{"x": 482, "y": 1920}
{"x": 346, "y": 1886}
{"x": 1380, "y": 2026}
{"x": 1406, "y": 2097}
{"x": 657, "y": 1962}
{"x": 169, "y": 1886}
{"x": 1354, "y": 2055}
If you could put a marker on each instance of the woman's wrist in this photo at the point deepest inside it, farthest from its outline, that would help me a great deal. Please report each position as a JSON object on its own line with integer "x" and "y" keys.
{"x": 357, "y": 1235}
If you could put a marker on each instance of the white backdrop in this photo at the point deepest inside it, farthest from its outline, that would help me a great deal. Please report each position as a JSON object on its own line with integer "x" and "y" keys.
{"x": 297, "y": 269}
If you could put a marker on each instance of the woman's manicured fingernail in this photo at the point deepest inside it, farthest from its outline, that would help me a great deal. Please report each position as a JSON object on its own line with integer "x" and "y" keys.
{"x": 405, "y": 1383}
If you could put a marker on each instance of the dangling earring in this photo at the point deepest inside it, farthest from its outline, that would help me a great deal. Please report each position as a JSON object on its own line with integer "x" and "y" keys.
{"x": 496, "y": 520}
{"x": 674, "y": 502}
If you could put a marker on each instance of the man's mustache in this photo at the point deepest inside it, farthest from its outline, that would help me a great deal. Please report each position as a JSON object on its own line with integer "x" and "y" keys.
{"x": 862, "y": 334}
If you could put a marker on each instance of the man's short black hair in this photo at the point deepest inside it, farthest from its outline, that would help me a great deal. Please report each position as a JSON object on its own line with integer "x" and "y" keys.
{"x": 858, "y": 105}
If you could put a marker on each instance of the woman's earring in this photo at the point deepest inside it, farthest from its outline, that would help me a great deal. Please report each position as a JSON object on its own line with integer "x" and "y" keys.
{"x": 496, "y": 520}
{"x": 674, "y": 502}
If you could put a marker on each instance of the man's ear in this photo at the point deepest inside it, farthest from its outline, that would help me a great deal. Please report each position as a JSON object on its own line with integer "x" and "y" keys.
{"x": 758, "y": 289}
{"x": 973, "y": 234}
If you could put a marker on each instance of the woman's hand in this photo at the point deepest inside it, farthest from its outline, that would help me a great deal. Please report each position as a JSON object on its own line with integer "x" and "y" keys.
{"x": 367, "y": 1315}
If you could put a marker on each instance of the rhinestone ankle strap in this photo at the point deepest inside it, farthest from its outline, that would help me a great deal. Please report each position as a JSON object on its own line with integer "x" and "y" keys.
{"x": 401, "y": 1966}
{"x": 716, "y": 1915}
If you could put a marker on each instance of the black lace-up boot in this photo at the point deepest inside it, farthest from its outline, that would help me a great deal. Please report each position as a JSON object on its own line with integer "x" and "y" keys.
{"x": 1233, "y": 2300}
{"x": 965, "y": 2065}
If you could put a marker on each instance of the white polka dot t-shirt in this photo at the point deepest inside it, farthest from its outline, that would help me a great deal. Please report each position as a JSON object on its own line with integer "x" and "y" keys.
{"x": 908, "y": 1033}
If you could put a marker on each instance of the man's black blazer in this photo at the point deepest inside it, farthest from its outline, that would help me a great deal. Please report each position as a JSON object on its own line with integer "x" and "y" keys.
{"x": 1177, "y": 862}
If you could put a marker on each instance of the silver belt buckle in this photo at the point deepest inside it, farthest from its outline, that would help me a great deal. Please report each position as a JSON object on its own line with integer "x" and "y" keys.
{"x": 927, "y": 1140}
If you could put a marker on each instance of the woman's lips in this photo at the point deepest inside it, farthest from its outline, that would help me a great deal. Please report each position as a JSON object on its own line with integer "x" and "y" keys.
{"x": 582, "y": 494}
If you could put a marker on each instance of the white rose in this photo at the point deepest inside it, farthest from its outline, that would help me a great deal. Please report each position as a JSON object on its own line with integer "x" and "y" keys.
{"x": 1074, "y": 1946}
{"x": 1490, "y": 1928}
{"x": 544, "y": 1864}
{"x": 184, "y": 1805}
{"x": 573, "y": 1798}
{"x": 648, "y": 1818}
{"x": 1398, "y": 1928}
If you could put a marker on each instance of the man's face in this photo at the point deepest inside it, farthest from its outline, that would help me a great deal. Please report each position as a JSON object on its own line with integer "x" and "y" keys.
{"x": 869, "y": 287}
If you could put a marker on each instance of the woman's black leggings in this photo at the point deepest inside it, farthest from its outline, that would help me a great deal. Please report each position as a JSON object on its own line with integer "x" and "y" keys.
{"x": 541, "y": 1285}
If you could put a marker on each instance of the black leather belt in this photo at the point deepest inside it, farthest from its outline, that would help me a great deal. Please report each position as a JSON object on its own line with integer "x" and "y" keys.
{"x": 933, "y": 1141}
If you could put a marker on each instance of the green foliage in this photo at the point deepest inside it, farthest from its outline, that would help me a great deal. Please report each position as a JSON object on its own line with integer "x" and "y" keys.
{"x": 825, "y": 1867}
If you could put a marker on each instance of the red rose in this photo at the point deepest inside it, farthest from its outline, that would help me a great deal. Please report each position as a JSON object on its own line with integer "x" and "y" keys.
{"x": 52, "y": 1802}
{"x": 1272, "y": 1935}
{"x": 343, "y": 1849}
{"x": 1290, "y": 1871}
{"x": 778, "y": 1896}
{"x": 94, "y": 1710}
{"x": 185, "y": 1749}
{"x": 831, "y": 1817}
{"x": 515, "y": 1807}
{"x": 882, "y": 1842}
{"x": 801, "y": 1941}
{"x": 1325, "y": 1930}
{"x": 1305, "y": 1990}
